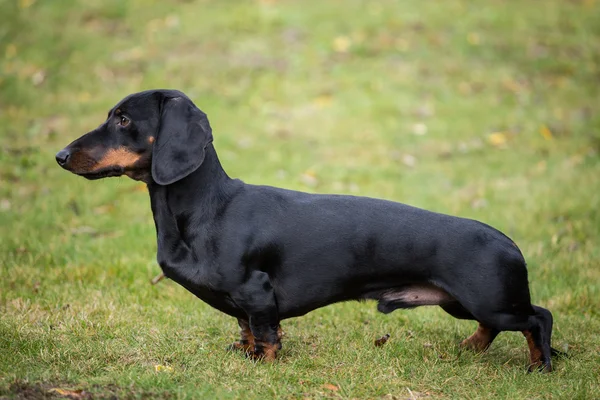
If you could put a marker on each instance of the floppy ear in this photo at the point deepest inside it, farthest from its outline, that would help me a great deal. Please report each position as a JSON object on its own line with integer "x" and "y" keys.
{"x": 182, "y": 137}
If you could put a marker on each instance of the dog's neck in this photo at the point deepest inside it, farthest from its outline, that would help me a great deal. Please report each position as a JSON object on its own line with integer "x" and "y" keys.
{"x": 194, "y": 199}
{"x": 204, "y": 181}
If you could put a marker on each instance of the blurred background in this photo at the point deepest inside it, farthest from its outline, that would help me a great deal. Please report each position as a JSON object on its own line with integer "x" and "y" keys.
{"x": 487, "y": 110}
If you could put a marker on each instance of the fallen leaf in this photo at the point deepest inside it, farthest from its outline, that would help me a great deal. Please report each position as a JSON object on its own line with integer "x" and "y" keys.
{"x": 545, "y": 132}
{"x": 497, "y": 139}
{"x": 163, "y": 368}
{"x": 323, "y": 100}
{"x": 38, "y": 77}
{"x": 419, "y": 129}
{"x": 382, "y": 340}
{"x": 309, "y": 178}
{"x": 329, "y": 386}
{"x": 342, "y": 44}
{"x": 157, "y": 278}
{"x": 409, "y": 160}
{"x": 72, "y": 394}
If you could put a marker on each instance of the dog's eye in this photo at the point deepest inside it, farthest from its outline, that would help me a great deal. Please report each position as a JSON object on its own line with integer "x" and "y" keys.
{"x": 123, "y": 121}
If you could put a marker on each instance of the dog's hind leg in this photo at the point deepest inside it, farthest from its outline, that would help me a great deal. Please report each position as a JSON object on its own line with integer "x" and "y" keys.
{"x": 534, "y": 322}
{"x": 257, "y": 298}
{"x": 481, "y": 340}
{"x": 483, "y": 337}
{"x": 536, "y": 327}
{"x": 539, "y": 340}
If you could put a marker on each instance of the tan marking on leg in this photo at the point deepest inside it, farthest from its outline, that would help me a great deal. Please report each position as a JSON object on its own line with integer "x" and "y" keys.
{"x": 266, "y": 351}
{"x": 246, "y": 342}
{"x": 120, "y": 157}
{"x": 480, "y": 340}
{"x": 535, "y": 353}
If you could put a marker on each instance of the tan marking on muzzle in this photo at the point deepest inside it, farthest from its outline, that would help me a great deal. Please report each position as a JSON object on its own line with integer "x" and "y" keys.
{"x": 120, "y": 157}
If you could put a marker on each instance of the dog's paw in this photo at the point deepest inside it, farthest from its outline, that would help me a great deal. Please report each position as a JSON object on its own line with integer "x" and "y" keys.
{"x": 266, "y": 352}
{"x": 540, "y": 367}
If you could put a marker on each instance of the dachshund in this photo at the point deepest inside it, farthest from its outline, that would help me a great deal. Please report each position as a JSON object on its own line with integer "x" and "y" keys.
{"x": 263, "y": 254}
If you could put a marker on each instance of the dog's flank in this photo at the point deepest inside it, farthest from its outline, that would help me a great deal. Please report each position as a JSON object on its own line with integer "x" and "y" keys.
{"x": 264, "y": 254}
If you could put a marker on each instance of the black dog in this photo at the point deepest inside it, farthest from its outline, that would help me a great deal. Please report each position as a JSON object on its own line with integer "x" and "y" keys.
{"x": 263, "y": 254}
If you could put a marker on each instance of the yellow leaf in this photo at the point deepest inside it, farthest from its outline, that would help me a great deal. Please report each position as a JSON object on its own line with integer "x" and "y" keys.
{"x": 323, "y": 100}
{"x": 545, "y": 132}
{"x": 497, "y": 139}
{"x": 140, "y": 188}
{"x": 341, "y": 44}
{"x": 309, "y": 178}
{"x": 72, "y": 394}
{"x": 26, "y": 3}
{"x": 163, "y": 368}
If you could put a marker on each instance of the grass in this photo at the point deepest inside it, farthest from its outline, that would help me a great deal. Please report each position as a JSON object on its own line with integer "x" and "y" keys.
{"x": 487, "y": 111}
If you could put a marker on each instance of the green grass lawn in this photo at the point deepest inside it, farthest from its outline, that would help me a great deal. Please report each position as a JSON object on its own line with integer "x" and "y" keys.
{"x": 488, "y": 110}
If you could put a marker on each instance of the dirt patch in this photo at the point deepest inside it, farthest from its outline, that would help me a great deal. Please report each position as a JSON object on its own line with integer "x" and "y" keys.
{"x": 35, "y": 391}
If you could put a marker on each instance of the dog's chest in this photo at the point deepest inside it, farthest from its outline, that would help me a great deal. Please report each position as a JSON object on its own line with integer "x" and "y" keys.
{"x": 198, "y": 279}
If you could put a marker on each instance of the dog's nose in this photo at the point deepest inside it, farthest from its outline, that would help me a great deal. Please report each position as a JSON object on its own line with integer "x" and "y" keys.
{"x": 62, "y": 157}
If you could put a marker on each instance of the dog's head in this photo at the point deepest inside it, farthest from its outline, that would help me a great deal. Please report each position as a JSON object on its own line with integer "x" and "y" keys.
{"x": 153, "y": 136}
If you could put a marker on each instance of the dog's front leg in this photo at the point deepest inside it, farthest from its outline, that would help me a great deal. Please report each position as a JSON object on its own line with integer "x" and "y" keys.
{"x": 246, "y": 342}
{"x": 257, "y": 298}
